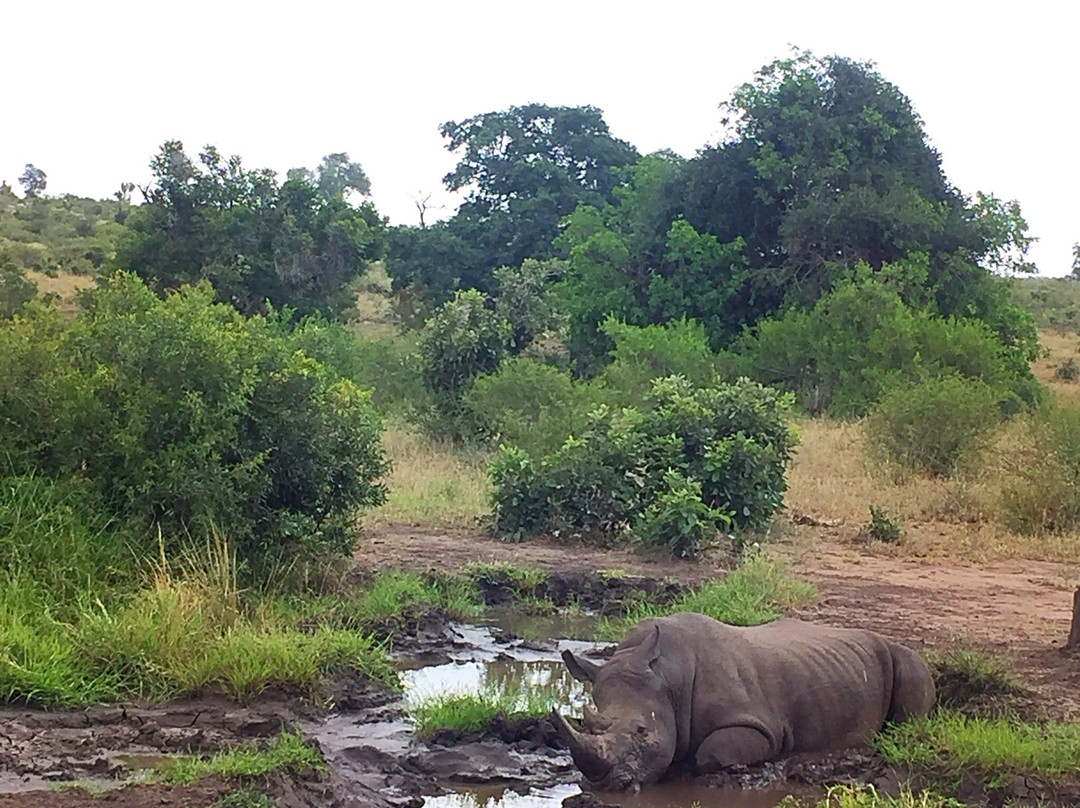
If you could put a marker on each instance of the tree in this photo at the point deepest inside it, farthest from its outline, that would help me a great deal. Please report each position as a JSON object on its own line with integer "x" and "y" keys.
{"x": 523, "y": 170}
{"x": 33, "y": 180}
{"x": 1076, "y": 261}
{"x": 337, "y": 175}
{"x": 295, "y": 245}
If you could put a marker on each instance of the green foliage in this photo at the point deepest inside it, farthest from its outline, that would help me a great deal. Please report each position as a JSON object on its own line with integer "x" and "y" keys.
{"x": 936, "y": 428}
{"x": 731, "y": 440}
{"x": 1054, "y": 303}
{"x": 951, "y": 746}
{"x": 15, "y": 291}
{"x": 524, "y": 168}
{"x": 530, "y": 405}
{"x": 861, "y": 340}
{"x": 297, "y": 245}
{"x": 184, "y": 414}
{"x": 679, "y": 520}
{"x": 525, "y": 300}
{"x": 463, "y": 339}
{"x": 66, "y": 233}
{"x": 867, "y": 797}
{"x": 471, "y": 714}
{"x": 287, "y": 752}
{"x": 641, "y": 354}
{"x": 1046, "y": 496}
{"x": 883, "y": 527}
{"x": 749, "y": 595}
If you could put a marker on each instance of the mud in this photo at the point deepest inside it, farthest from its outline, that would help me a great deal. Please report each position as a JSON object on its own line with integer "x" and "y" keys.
{"x": 374, "y": 759}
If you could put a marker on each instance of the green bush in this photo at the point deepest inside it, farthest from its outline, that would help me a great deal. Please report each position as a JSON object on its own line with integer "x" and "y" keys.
{"x": 862, "y": 340}
{"x": 644, "y": 467}
{"x": 644, "y": 353}
{"x": 936, "y": 427}
{"x": 530, "y": 404}
{"x": 182, "y": 413}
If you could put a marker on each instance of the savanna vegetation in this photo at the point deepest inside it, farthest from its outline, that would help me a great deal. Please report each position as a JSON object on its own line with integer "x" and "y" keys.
{"x": 644, "y": 351}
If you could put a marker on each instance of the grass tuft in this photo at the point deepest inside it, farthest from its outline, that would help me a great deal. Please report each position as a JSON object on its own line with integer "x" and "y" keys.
{"x": 950, "y": 745}
{"x": 972, "y": 681}
{"x": 288, "y": 752}
{"x": 842, "y": 796}
{"x": 470, "y": 714}
{"x": 750, "y": 595}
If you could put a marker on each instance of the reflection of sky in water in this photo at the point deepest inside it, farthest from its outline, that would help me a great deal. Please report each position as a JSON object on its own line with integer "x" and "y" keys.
{"x": 504, "y": 675}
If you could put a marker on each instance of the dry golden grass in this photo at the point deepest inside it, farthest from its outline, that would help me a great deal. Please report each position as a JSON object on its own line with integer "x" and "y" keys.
{"x": 832, "y": 480}
{"x": 1061, "y": 348}
{"x": 432, "y": 484}
{"x": 65, "y": 286}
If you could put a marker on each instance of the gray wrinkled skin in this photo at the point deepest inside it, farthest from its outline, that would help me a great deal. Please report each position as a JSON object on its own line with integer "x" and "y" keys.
{"x": 689, "y": 691}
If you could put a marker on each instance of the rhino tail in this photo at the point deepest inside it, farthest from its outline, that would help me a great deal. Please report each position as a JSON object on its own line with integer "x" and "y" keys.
{"x": 913, "y": 692}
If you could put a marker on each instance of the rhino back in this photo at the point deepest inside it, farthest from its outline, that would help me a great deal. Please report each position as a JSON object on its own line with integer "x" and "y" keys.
{"x": 806, "y": 687}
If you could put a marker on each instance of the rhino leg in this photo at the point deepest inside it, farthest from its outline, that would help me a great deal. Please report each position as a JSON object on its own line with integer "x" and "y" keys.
{"x": 913, "y": 687}
{"x": 732, "y": 746}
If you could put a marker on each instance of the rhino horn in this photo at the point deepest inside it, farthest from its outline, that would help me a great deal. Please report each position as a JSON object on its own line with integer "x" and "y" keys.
{"x": 594, "y": 721}
{"x": 581, "y": 669}
{"x": 584, "y": 748}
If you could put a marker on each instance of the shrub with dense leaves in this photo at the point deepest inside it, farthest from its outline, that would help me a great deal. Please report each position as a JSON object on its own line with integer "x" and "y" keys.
{"x": 693, "y": 462}
{"x": 1045, "y": 498}
{"x": 936, "y": 427}
{"x": 184, "y": 414}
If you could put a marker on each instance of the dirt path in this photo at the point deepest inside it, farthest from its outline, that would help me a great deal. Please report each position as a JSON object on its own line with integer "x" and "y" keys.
{"x": 1018, "y": 609}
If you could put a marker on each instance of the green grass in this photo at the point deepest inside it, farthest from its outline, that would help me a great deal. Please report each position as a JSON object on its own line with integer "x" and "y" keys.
{"x": 288, "y": 752}
{"x": 472, "y": 713}
{"x": 523, "y": 581}
{"x": 867, "y": 797}
{"x": 949, "y": 745}
{"x": 750, "y": 595}
{"x": 971, "y": 680}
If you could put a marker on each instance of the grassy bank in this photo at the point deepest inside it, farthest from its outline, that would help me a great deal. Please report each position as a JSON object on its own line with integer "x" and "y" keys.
{"x": 949, "y": 747}
{"x": 751, "y": 594}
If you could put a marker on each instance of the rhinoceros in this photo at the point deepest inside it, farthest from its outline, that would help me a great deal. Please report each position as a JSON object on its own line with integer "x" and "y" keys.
{"x": 686, "y": 691}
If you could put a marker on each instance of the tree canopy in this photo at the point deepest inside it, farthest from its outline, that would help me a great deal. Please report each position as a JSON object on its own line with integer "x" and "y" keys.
{"x": 296, "y": 244}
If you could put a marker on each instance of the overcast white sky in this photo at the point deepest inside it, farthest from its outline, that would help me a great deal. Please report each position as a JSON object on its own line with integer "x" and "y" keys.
{"x": 92, "y": 89}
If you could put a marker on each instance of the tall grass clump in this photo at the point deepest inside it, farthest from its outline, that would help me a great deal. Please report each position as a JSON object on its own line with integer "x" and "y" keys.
{"x": 287, "y": 752}
{"x": 950, "y": 745}
{"x": 936, "y": 427}
{"x": 972, "y": 681}
{"x": 868, "y": 797}
{"x": 1045, "y": 495}
{"x": 751, "y": 594}
{"x": 470, "y": 714}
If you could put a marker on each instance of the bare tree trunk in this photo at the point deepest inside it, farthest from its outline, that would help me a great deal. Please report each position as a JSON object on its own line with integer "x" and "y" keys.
{"x": 1074, "y": 633}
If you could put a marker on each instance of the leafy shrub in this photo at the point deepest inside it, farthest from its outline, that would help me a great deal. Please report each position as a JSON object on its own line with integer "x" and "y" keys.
{"x": 15, "y": 290}
{"x": 883, "y": 527}
{"x": 679, "y": 520}
{"x": 183, "y": 413}
{"x": 530, "y": 404}
{"x": 862, "y": 340}
{"x": 644, "y": 467}
{"x": 935, "y": 427}
{"x": 643, "y": 353}
{"x": 1046, "y": 496}
{"x": 1068, "y": 370}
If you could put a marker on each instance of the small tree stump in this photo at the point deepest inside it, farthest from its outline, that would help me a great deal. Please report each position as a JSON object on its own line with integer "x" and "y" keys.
{"x": 1074, "y": 633}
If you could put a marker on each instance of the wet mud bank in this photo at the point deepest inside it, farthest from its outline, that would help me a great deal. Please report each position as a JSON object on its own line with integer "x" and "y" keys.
{"x": 372, "y": 754}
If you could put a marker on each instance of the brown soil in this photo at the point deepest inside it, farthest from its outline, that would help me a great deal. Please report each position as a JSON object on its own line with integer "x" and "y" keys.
{"x": 200, "y": 795}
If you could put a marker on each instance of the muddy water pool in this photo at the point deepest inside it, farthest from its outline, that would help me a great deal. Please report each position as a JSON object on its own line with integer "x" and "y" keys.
{"x": 485, "y": 658}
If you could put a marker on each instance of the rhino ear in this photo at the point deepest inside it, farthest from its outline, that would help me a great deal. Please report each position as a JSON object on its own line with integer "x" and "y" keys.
{"x": 581, "y": 669}
{"x": 649, "y": 651}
